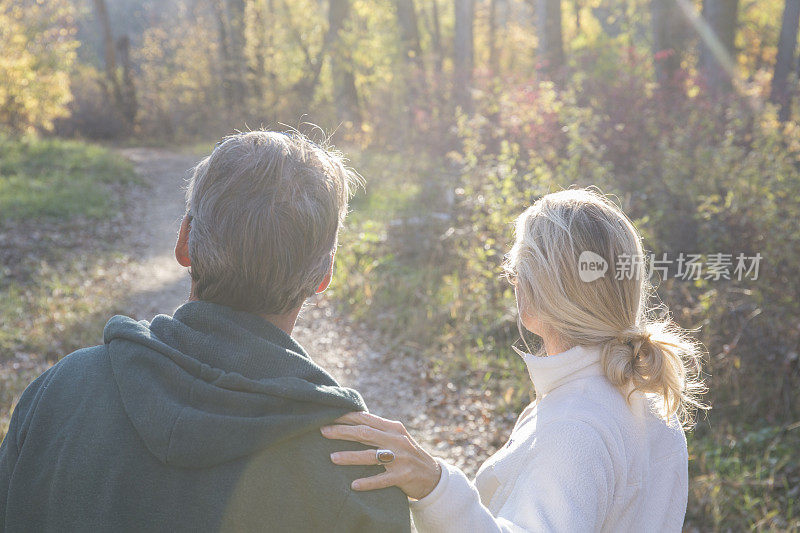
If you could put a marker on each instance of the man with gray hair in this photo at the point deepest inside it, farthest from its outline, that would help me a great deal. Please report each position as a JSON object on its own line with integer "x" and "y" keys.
{"x": 208, "y": 419}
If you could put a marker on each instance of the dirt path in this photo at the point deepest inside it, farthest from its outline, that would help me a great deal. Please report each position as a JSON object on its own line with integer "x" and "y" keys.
{"x": 159, "y": 283}
{"x": 451, "y": 422}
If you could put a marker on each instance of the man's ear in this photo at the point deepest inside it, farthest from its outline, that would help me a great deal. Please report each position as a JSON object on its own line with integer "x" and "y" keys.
{"x": 182, "y": 246}
{"x": 328, "y": 277}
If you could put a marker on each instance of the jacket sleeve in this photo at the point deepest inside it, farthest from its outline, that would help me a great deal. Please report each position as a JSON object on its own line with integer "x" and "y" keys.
{"x": 384, "y": 510}
{"x": 8, "y": 459}
{"x": 566, "y": 484}
{"x": 10, "y": 448}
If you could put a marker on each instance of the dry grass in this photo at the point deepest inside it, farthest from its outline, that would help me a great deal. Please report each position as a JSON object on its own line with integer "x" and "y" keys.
{"x": 60, "y": 269}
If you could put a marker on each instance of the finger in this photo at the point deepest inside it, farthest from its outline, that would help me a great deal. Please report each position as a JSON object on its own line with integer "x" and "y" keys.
{"x": 381, "y": 481}
{"x": 364, "y": 457}
{"x": 374, "y": 421}
{"x": 363, "y": 434}
{"x": 357, "y": 418}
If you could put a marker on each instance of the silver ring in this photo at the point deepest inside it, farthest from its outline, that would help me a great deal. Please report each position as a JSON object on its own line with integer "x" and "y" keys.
{"x": 384, "y": 457}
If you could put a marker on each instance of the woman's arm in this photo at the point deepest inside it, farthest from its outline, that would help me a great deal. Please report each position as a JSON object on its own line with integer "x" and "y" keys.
{"x": 565, "y": 483}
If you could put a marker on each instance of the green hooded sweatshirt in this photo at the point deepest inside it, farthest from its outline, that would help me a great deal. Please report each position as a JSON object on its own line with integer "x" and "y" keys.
{"x": 204, "y": 421}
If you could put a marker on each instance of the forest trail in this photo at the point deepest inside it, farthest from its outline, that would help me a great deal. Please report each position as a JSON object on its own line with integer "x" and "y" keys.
{"x": 451, "y": 423}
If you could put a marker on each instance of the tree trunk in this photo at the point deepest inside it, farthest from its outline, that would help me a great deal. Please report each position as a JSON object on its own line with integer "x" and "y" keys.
{"x": 258, "y": 71}
{"x": 463, "y": 53}
{"x": 270, "y": 58}
{"x": 416, "y": 82}
{"x": 112, "y": 83}
{"x": 436, "y": 79}
{"x": 493, "y": 35}
{"x": 238, "y": 59}
{"x": 409, "y": 31}
{"x": 224, "y": 51}
{"x": 498, "y": 20}
{"x": 551, "y": 45}
{"x": 128, "y": 104}
{"x": 438, "y": 51}
{"x": 784, "y": 63}
{"x": 717, "y": 56}
{"x": 121, "y": 93}
{"x": 668, "y": 38}
{"x": 344, "y": 87}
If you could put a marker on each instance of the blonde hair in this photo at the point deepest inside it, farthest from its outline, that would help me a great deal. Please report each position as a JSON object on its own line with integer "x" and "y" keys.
{"x": 639, "y": 350}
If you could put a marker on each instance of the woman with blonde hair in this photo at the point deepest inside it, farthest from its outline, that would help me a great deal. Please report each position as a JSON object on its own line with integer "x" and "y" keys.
{"x": 602, "y": 447}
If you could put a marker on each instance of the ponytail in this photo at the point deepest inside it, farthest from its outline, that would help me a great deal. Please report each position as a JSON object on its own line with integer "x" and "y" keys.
{"x": 657, "y": 358}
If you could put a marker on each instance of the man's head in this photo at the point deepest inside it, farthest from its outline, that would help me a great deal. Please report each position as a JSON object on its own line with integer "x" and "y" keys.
{"x": 262, "y": 217}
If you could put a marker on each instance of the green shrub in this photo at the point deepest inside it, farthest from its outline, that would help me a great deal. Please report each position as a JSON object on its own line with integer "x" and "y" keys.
{"x": 746, "y": 479}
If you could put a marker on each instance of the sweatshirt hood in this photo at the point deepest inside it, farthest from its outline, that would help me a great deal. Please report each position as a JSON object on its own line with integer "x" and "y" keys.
{"x": 210, "y": 384}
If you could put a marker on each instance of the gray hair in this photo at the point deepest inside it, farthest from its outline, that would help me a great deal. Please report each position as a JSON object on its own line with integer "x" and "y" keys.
{"x": 265, "y": 210}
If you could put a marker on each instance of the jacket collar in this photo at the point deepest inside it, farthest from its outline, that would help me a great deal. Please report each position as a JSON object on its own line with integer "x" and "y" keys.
{"x": 550, "y": 372}
{"x": 235, "y": 341}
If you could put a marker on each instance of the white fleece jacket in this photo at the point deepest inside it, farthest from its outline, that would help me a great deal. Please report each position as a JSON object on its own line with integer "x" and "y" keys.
{"x": 579, "y": 459}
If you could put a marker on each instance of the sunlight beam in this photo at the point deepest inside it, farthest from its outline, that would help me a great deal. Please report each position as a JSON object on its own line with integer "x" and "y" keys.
{"x": 711, "y": 40}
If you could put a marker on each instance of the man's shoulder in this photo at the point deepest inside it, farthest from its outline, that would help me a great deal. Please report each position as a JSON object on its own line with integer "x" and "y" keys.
{"x": 78, "y": 369}
{"x": 298, "y": 475}
{"x": 70, "y": 374}
{"x": 379, "y": 510}
{"x": 83, "y": 373}
{"x": 81, "y": 364}
{"x": 311, "y": 452}
{"x": 84, "y": 356}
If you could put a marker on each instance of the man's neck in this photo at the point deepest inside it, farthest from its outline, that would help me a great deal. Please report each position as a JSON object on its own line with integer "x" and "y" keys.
{"x": 285, "y": 321}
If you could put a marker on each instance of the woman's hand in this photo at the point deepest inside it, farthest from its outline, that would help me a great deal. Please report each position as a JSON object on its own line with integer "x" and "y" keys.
{"x": 413, "y": 469}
